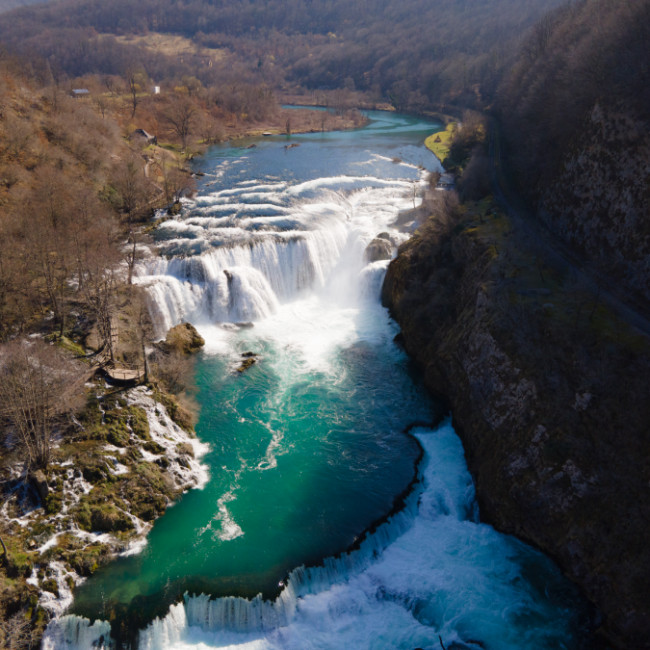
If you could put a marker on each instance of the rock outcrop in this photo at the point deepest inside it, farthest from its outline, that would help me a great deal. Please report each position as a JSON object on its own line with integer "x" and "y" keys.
{"x": 184, "y": 338}
{"x": 378, "y": 249}
{"x": 548, "y": 392}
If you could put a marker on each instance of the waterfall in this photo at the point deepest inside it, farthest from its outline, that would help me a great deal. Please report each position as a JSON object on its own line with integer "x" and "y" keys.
{"x": 77, "y": 633}
{"x": 239, "y": 268}
{"x": 241, "y": 615}
{"x": 430, "y": 570}
{"x": 307, "y": 444}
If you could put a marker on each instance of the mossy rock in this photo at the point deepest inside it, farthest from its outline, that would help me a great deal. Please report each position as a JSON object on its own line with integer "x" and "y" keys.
{"x": 53, "y": 503}
{"x": 81, "y": 515}
{"x": 184, "y": 338}
{"x": 246, "y": 364}
{"x": 175, "y": 208}
{"x": 93, "y": 468}
{"x": 185, "y": 449}
{"x": 19, "y": 564}
{"x": 148, "y": 505}
{"x": 91, "y": 415}
{"x": 139, "y": 422}
{"x": 153, "y": 447}
{"x": 180, "y": 415}
{"x": 118, "y": 436}
{"x": 87, "y": 560}
{"x": 51, "y": 585}
{"x": 106, "y": 518}
{"x": 378, "y": 249}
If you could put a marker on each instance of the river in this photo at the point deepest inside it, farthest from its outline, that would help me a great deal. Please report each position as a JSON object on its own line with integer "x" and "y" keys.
{"x": 323, "y": 437}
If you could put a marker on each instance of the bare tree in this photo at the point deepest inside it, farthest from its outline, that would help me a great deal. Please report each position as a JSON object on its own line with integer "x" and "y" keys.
{"x": 135, "y": 192}
{"x": 94, "y": 238}
{"x": 39, "y": 385}
{"x": 180, "y": 115}
{"x": 15, "y": 632}
{"x": 177, "y": 182}
{"x": 136, "y": 81}
{"x": 46, "y": 237}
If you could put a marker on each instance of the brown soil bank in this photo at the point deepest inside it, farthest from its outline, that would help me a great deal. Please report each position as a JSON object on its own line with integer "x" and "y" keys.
{"x": 549, "y": 394}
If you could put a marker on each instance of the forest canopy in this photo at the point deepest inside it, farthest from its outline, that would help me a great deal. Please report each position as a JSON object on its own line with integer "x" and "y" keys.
{"x": 416, "y": 52}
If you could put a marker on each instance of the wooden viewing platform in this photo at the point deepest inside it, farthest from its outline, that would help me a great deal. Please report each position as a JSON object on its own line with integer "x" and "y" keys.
{"x": 124, "y": 375}
{"x": 117, "y": 373}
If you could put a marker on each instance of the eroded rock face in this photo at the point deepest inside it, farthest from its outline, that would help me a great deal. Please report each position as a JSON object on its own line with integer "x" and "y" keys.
{"x": 378, "y": 249}
{"x": 553, "y": 413}
{"x": 184, "y": 338}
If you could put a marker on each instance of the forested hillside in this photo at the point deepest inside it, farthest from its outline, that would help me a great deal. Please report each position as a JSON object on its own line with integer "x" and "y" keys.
{"x": 416, "y": 53}
{"x": 576, "y": 111}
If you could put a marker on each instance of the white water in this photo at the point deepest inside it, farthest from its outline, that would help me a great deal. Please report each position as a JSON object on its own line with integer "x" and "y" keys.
{"x": 311, "y": 241}
{"x": 432, "y": 570}
{"x": 289, "y": 258}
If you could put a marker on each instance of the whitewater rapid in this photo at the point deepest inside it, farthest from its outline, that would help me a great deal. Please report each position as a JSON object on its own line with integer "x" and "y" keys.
{"x": 278, "y": 263}
{"x": 431, "y": 572}
{"x": 277, "y": 243}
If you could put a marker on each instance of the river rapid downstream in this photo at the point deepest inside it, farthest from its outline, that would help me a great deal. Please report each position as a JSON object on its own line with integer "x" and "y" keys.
{"x": 336, "y": 515}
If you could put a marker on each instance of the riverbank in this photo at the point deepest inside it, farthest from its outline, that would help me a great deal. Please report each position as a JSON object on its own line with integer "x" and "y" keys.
{"x": 120, "y": 468}
{"x": 545, "y": 386}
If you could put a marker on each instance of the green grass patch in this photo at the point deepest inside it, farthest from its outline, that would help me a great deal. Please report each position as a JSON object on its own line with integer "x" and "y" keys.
{"x": 440, "y": 142}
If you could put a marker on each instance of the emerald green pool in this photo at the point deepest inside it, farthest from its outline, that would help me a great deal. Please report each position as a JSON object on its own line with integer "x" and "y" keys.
{"x": 308, "y": 446}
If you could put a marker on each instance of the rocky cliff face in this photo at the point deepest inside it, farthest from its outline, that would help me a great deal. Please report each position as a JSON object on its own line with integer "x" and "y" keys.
{"x": 598, "y": 201}
{"x": 547, "y": 391}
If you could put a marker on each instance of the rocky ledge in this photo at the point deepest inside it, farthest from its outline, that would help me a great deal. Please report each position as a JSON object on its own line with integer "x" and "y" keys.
{"x": 548, "y": 392}
{"x": 125, "y": 461}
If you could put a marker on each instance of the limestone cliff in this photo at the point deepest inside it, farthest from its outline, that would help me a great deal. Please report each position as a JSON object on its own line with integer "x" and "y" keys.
{"x": 548, "y": 393}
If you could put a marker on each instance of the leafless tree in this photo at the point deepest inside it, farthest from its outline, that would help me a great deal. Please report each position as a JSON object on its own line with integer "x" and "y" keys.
{"x": 39, "y": 385}
{"x": 135, "y": 192}
{"x": 136, "y": 80}
{"x": 46, "y": 237}
{"x": 176, "y": 182}
{"x": 94, "y": 237}
{"x": 180, "y": 116}
{"x": 15, "y": 632}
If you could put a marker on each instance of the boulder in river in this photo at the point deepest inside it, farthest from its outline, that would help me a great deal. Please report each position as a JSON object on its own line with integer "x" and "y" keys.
{"x": 248, "y": 359}
{"x": 378, "y": 249}
{"x": 184, "y": 338}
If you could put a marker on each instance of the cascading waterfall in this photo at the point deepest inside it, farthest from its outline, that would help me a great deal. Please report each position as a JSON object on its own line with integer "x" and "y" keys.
{"x": 277, "y": 241}
{"x": 240, "y": 282}
{"x": 308, "y": 449}
{"x": 430, "y": 571}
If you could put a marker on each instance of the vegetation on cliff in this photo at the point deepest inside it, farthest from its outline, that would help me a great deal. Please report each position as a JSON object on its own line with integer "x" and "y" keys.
{"x": 575, "y": 113}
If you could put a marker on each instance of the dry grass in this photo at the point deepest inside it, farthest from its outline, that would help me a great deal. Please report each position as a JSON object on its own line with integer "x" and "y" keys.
{"x": 171, "y": 45}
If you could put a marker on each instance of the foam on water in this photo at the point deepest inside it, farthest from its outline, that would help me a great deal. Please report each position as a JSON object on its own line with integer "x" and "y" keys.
{"x": 288, "y": 258}
{"x": 244, "y": 271}
{"x": 431, "y": 571}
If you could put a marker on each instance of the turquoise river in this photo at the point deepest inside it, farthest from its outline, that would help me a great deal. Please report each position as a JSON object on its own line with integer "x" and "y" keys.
{"x": 339, "y": 512}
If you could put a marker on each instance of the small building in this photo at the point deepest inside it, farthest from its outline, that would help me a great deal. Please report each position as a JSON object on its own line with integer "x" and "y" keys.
{"x": 80, "y": 92}
{"x": 142, "y": 135}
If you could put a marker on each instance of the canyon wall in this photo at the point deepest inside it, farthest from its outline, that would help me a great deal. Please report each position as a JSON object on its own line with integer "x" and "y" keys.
{"x": 547, "y": 391}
